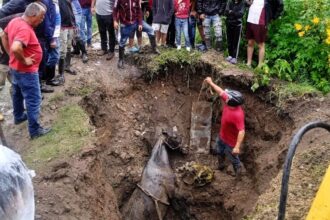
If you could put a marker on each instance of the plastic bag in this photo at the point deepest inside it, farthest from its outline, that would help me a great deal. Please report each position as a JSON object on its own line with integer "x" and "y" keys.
{"x": 16, "y": 189}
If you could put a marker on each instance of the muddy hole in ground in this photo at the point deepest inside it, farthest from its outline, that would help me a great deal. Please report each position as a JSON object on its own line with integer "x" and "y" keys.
{"x": 130, "y": 120}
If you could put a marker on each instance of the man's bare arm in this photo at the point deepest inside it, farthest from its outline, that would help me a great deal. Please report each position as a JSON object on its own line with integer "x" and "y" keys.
{"x": 240, "y": 138}
{"x": 17, "y": 49}
{"x": 217, "y": 88}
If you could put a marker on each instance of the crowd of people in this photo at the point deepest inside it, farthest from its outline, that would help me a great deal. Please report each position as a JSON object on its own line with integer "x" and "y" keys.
{"x": 40, "y": 37}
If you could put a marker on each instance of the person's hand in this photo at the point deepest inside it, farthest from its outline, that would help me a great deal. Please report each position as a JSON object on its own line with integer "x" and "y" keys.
{"x": 235, "y": 151}
{"x": 53, "y": 44}
{"x": 29, "y": 60}
{"x": 193, "y": 13}
{"x": 202, "y": 17}
{"x": 140, "y": 28}
{"x": 115, "y": 25}
{"x": 208, "y": 80}
{"x": 147, "y": 13}
{"x": 93, "y": 10}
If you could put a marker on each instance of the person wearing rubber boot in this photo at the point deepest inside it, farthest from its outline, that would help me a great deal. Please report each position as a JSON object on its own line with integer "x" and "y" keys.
{"x": 54, "y": 50}
{"x": 232, "y": 129}
{"x": 78, "y": 41}
{"x": 68, "y": 27}
{"x": 25, "y": 55}
{"x": 210, "y": 12}
{"x": 129, "y": 14}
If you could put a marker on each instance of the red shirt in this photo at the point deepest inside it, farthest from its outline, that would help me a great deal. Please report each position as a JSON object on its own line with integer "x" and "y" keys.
{"x": 182, "y": 8}
{"x": 19, "y": 30}
{"x": 232, "y": 121}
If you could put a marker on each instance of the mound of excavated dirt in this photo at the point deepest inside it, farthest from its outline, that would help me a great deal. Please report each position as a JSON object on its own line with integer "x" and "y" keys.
{"x": 128, "y": 113}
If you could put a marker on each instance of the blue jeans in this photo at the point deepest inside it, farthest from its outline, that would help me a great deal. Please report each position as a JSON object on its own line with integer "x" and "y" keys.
{"x": 192, "y": 30}
{"x": 181, "y": 25}
{"x": 126, "y": 31}
{"x": 53, "y": 54}
{"x": 26, "y": 87}
{"x": 81, "y": 34}
{"x": 216, "y": 22}
{"x": 86, "y": 21}
{"x": 224, "y": 150}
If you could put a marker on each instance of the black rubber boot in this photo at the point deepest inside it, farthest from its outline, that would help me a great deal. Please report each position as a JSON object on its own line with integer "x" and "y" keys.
{"x": 153, "y": 44}
{"x": 218, "y": 46}
{"x": 61, "y": 78}
{"x": 51, "y": 73}
{"x": 67, "y": 66}
{"x": 82, "y": 48}
{"x": 121, "y": 57}
{"x": 221, "y": 160}
{"x": 76, "y": 50}
{"x": 238, "y": 172}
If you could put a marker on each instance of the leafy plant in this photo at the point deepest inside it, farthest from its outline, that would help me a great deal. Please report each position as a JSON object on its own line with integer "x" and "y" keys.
{"x": 299, "y": 47}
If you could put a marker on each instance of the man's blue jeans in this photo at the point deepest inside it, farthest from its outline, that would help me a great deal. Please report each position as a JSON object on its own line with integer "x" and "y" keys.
{"x": 26, "y": 88}
{"x": 86, "y": 21}
{"x": 216, "y": 22}
{"x": 126, "y": 30}
{"x": 181, "y": 25}
{"x": 192, "y": 30}
{"x": 53, "y": 54}
{"x": 224, "y": 150}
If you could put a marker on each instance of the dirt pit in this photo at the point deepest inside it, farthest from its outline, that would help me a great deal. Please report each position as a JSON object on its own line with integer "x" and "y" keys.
{"x": 128, "y": 119}
{"x": 128, "y": 113}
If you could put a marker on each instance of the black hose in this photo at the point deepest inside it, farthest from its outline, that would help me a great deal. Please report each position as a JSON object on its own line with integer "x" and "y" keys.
{"x": 288, "y": 162}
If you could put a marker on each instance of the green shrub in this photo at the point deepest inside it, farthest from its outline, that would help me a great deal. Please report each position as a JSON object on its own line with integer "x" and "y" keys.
{"x": 299, "y": 47}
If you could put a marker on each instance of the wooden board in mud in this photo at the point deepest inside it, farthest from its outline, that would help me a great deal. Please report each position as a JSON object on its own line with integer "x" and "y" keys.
{"x": 200, "y": 130}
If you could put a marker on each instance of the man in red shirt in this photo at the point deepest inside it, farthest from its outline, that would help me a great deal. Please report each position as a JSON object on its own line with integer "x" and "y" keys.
{"x": 232, "y": 129}
{"x": 25, "y": 55}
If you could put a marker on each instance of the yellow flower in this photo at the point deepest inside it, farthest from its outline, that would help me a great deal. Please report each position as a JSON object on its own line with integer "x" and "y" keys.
{"x": 327, "y": 41}
{"x": 298, "y": 26}
{"x": 316, "y": 20}
{"x": 301, "y": 33}
{"x": 328, "y": 32}
{"x": 307, "y": 27}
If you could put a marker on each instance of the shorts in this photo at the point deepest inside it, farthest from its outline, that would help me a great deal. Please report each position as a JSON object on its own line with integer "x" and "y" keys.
{"x": 163, "y": 28}
{"x": 256, "y": 32}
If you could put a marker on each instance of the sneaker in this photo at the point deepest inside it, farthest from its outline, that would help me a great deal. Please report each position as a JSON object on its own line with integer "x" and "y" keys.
{"x": 61, "y": 79}
{"x": 102, "y": 53}
{"x": 110, "y": 55}
{"x": 178, "y": 47}
{"x": 21, "y": 120}
{"x": 134, "y": 49}
{"x": 188, "y": 49}
{"x": 233, "y": 61}
{"x": 53, "y": 82}
{"x": 229, "y": 58}
{"x": 41, "y": 131}
{"x": 84, "y": 58}
{"x": 46, "y": 89}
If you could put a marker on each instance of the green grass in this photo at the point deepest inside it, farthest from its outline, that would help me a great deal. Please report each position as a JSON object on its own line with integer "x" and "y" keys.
{"x": 69, "y": 133}
{"x": 168, "y": 57}
{"x": 56, "y": 97}
{"x": 296, "y": 90}
{"x": 94, "y": 25}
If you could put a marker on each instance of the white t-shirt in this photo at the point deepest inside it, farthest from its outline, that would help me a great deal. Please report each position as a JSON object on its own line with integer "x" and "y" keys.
{"x": 104, "y": 7}
{"x": 255, "y": 11}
